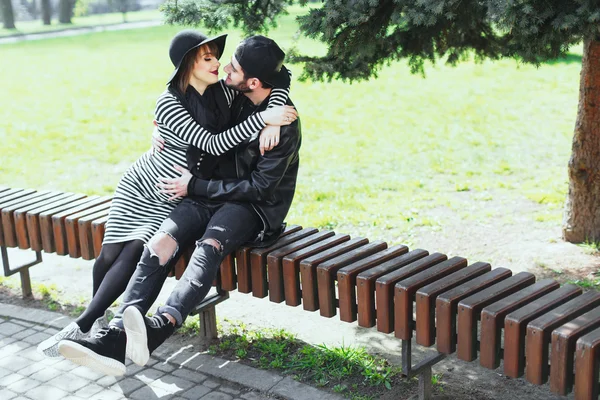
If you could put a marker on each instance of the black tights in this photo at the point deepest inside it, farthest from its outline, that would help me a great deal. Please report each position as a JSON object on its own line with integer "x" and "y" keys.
{"x": 111, "y": 273}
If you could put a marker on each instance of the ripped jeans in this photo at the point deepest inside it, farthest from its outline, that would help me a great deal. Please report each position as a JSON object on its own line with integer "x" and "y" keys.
{"x": 230, "y": 224}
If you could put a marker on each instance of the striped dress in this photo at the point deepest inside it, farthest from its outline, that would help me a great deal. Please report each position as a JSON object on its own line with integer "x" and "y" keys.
{"x": 138, "y": 208}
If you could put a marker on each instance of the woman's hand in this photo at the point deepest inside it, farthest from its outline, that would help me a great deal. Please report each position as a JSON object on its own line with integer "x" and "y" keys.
{"x": 269, "y": 138}
{"x": 158, "y": 143}
{"x": 176, "y": 187}
{"x": 279, "y": 116}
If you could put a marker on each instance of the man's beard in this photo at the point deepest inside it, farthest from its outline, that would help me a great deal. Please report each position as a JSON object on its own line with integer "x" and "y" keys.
{"x": 242, "y": 87}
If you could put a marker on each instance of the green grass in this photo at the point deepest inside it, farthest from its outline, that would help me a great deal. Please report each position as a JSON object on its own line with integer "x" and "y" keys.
{"x": 26, "y": 27}
{"x": 381, "y": 159}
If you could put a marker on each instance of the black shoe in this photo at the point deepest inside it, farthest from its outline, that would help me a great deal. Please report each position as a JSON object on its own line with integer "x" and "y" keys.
{"x": 144, "y": 335}
{"x": 104, "y": 352}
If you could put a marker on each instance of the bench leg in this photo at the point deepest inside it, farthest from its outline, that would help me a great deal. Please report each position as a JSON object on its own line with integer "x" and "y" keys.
{"x": 208, "y": 324}
{"x": 425, "y": 384}
{"x": 423, "y": 369}
{"x": 23, "y": 270}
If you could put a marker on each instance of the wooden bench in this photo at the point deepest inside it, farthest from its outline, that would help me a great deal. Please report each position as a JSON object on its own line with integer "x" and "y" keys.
{"x": 540, "y": 330}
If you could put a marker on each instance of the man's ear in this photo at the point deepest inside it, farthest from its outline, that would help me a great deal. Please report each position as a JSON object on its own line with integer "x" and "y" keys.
{"x": 253, "y": 83}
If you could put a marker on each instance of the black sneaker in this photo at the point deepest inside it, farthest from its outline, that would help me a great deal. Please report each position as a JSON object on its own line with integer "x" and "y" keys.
{"x": 104, "y": 352}
{"x": 144, "y": 335}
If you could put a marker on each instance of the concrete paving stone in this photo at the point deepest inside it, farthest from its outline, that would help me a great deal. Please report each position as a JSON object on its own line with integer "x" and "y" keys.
{"x": 72, "y": 398}
{"x": 23, "y": 323}
{"x": 51, "y": 331}
{"x": 4, "y": 372}
{"x": 211, "y": 384}
{"x": 219, "y": 396}
{"x": 31, "y": 368}
{"x": 46, "y": 392}
{"x": 13, "y": 348}
{"x": 87, "y": 373}
{"x": 40, "y": 327}
{"x": 149, "y": 375}
{"x": 254, "y": 396}
{"x": 88, "y": 390}
{"x": 6, "y": 340}
{"x": 231, "y": 390}
{"x": 166, "y": 367}
{"x": 149, "y": 392}
{"x": 133, "y": 369}
{"x": 65, "y": 365}
{"x": 24, "y": 333}
{"x": 14, "y": 362}
{"x": 32, "y": 354}
{"x": 299, "y": 391}
{"x": 6, "y": 394}
{"x": 127, "y": 386}
{"x": 10, "y": 328}
{"x": 172, "y": 384}
{"x": 24, "y": 385}
{"x": 166, "y": 350}
{"x": 196, "y": 392}
{"x": 51, "y": 361}
{"x": 109, "y": 381}
{"x": 36, "y": 338}
{"x": 239, "y": 373}
{"x": 194, "y": 376}
{"x": 69, "y": 382}
{"x": 46, "y": 374}
{"x": 7, "y": 380}
{"x": 107, "y": 395}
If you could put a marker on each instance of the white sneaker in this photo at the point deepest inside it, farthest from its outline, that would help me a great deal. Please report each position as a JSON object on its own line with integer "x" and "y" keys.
{"x": 49, "y": 347}
{"x": 99, "y": 324}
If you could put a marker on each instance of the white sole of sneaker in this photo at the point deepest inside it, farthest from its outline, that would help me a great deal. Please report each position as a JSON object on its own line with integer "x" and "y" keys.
{"x": 137, "y": 337}
{"x": 83, "y": 356}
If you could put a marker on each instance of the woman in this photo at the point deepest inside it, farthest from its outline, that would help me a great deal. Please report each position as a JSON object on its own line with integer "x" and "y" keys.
{"x": 193, "y": 106}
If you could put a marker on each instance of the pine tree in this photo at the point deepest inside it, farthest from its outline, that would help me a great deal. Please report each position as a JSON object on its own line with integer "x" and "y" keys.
{"x": 7, "y": 14}
{"x": 364, "y": 35}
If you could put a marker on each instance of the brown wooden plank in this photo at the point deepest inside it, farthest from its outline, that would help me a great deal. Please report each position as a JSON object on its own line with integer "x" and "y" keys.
{"x": 98, "y": 229}
{"x": 228, "y": 281}
{"x": 492, "y": 319}
{"x": 562, "y": 355}
{"x": 32, "y": 219}
{"x": 11, "y": 230}
{"x": 242, "y": 258}
{"x": 275, "y": 263}
{"x": 540, "y": 329}
{"x": 86, "y": 237}
{"x": 308, "y": 270}
{"x": 291, "y": 266}
{"x": 586, "y": 365}
{"x": 70, "y": 229}
{"x": 365, "y": 284}
{"x": 425, "y": 299}
{"x": 45, "y": 221}
{"x": 182, "y": 260}
{"x": 405, "y": 290}
{"x": 327, "y": 270}
{"x": 470, "y": 308}
{"x": 58, "y": 240}
{"x": 6, "y": 198}
{"x": 446, "y": 306}
{"x": 346, "y": 278}
{"x": 515, "y": 326}
{"x": 384, "y": 288}
{"x": 258, "y": 260}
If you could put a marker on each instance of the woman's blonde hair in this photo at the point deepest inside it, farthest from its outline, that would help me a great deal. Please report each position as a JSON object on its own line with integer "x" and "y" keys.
{"x": 182, "y": 79}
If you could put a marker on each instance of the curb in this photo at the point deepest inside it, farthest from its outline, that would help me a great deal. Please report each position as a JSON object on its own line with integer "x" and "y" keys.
{"x": 185, "y": 357}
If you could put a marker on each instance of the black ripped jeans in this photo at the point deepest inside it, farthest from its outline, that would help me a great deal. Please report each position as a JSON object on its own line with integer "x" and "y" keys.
{"x": 230, "y": 224}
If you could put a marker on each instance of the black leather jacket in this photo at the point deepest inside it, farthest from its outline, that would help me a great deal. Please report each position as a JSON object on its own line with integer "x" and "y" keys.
{"x": 266, "y": 182}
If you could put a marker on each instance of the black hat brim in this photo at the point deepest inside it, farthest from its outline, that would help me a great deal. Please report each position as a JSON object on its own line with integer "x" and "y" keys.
{"x": 219, "y": 41}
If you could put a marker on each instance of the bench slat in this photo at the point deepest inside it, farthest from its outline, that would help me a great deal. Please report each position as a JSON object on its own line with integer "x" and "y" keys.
{"x": 7, "y": 198}
{"x": 86, "y": 237}
{"x": 539, "y": 331}
{"x": 365, "y": 284}
{"x": 32, "y": 219}
{"x": 227, "y": 268}
{"x": 586, "y": 364}
{"x": 275, "y": 263}
{"x": 70, "y": 229}
{"x": 346, "y": 278}
{"x": 562, "y": 356}
{"x": 405, "y": 290}
{"x": 98, "y": 229}
{"x": 515, "y": 326}
{"x": 384, "y": 287}
{"x": 492, "y": 320}
{"x": 258, "y": 260}
{"x": 291, "y": 267}
{"x": 425, "y": 299}
{"x": 326, "y": 274}
{"x": 308, "y": 270}
{"x": 446, "y": 306}
{"x": 242, "y": 260}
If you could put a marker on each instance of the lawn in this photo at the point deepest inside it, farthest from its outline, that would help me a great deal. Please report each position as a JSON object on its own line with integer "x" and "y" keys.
{"x": 379, "y": 158}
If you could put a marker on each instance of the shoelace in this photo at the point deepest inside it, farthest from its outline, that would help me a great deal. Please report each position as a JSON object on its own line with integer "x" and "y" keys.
{"x": 102, "y": 332}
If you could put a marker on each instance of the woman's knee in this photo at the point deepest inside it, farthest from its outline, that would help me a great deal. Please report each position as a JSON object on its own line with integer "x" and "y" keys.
{"x": 164, "y": 246}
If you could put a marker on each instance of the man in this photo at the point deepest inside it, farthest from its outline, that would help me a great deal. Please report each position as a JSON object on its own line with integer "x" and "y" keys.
{"x": 247, "y": 198}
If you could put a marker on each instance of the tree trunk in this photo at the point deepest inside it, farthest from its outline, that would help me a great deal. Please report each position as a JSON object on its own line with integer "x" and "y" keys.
{"x": 8, "y": 15}
{"x": 582, "y": 210}
{"x": 65, "y": 11}
{"x": 46, "y": 11}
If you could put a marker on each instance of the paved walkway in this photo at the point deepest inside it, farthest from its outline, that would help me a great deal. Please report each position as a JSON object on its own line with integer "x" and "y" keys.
{"x": 175, "y": 371}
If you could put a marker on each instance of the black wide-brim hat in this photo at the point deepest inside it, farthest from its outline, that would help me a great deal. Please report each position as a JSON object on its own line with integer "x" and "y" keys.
{"x": 188, "y": 40}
